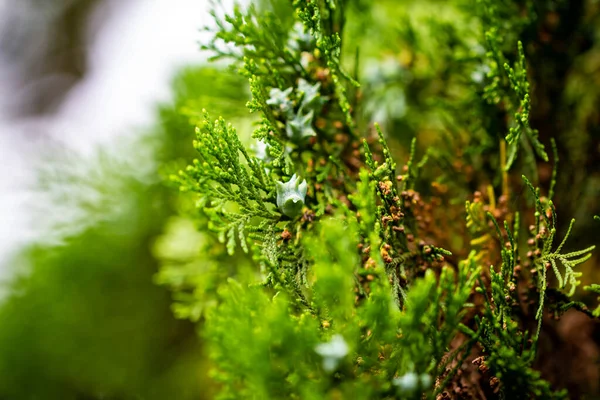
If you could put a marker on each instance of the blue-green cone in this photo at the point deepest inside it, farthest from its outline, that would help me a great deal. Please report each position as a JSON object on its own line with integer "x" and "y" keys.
{"x": 290, "y": 196}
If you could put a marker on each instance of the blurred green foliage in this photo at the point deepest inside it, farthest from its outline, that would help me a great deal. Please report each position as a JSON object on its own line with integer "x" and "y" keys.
{"x": 82, "y": 317}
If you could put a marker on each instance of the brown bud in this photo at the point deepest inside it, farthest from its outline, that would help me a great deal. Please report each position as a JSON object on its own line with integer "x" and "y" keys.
{"x": 529, "y": 254}
{"x": 494, "y": 382}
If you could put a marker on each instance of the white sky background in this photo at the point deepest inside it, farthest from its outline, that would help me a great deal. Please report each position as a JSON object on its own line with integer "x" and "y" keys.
{"x": 131, "y": 62}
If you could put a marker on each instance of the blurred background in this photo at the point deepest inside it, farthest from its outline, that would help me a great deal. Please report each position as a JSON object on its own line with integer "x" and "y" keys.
{"x": 77, "y": 73}
{"x": 80, "y": 86}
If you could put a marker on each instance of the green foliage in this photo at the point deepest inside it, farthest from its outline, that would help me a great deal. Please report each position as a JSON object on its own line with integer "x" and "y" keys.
{"x": 356, "y": 293}
{"x": 251, "y": 363}
{"x": 507, "y": 352}
{"x": 545, "y": 229}
{"x": 225, "y": 181}
{"x": 317, "y": 243}
{"x": 510, "y": 85}
{"x": 384, "y": 341}
{"x": 595, "y": 288}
